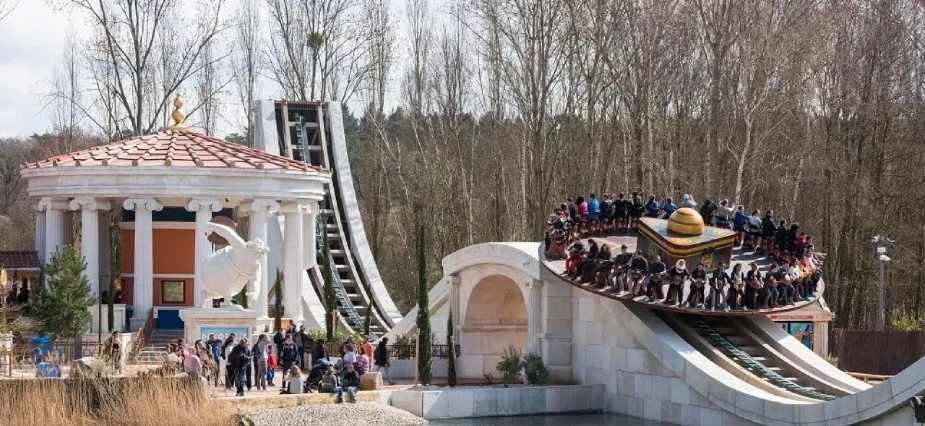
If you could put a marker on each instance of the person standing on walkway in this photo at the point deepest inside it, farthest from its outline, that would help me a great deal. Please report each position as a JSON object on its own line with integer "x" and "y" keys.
{"x": 238, "y": 360}
{"x": 381, "y": 360}
{"x": 305, "y": 349}
{"x": 271, "y": 364}
{"x": 114, "y": 350}
{"x": 288, "y": 357}
{"x": 261, "y": 355}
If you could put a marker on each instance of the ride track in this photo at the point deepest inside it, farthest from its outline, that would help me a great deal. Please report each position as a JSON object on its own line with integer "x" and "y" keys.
{"x": 739, "y": 256}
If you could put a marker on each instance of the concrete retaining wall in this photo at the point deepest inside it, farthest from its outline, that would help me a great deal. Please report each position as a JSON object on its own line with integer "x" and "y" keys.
{"x": 491, "y": 402}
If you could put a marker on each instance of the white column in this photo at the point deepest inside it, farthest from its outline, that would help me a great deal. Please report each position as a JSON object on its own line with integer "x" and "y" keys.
{"x": 40, "y": 233}
{"x": 54, "y": 224}
{"x": 535, "y": 317}
{"x": 310, "y": 246}
{"x": 143, "y": 293}
{"x": 454, "y": 282}
{"x": 204, "y": 207}
{"x": 259, "y": 211}
{"x": 293, "y": 266}
{"x": 90, "y": 237}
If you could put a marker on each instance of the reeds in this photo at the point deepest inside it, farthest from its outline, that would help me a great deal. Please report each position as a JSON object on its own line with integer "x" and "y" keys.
{"x": 141, "y": 401}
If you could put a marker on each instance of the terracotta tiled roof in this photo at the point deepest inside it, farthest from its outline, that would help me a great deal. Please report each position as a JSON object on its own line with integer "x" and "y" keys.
{"x": 174, "y": 148}
{"x": 18, "y": 260}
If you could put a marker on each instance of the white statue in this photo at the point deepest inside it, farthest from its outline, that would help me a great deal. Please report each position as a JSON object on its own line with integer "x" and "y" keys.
{"x": 225, "y": 272}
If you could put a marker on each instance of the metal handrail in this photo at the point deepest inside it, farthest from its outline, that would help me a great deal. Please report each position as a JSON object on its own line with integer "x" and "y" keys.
{"x": 339, "y": 291}
{"x": 143, "y": 335}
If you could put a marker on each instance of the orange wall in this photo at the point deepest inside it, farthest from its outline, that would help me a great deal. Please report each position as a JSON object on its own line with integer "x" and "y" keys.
{"x": 174, "y": 251}
{"x": 174, "y": 254}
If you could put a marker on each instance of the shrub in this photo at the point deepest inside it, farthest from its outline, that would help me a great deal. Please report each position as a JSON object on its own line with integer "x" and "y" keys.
{"x": 832, "y": 360}
{"x": 61, "y": 304}
{"x": 510, "y": 365}
{"x": 489, "y": 379}
{"x": 535, "y": 370}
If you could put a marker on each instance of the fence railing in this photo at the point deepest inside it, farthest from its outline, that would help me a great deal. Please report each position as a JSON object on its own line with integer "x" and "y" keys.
{"x": 870, "y": 378}
{"x": 863, "y": 350}
{"x": 407, "y": 351}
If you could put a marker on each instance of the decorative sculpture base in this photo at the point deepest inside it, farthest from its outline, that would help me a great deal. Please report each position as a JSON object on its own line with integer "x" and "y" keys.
{"x": 221, "y": 322}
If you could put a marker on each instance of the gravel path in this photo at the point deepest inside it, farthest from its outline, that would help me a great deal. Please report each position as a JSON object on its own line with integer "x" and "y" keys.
{"x": 364, "y": 413}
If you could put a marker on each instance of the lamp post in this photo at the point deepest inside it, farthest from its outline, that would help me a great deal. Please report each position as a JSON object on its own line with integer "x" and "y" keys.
{"x": 882, "y": 243}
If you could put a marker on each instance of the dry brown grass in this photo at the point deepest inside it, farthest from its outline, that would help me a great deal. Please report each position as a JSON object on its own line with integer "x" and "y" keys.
{"x": 137, "y": 401}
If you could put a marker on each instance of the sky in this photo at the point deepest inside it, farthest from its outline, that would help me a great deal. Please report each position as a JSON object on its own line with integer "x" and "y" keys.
{"x": 33, "y": 37}
{"x": 31, "y": 41}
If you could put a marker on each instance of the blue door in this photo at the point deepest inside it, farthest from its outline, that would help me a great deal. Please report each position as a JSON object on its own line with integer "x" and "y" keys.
{"x": 169, "y": 319}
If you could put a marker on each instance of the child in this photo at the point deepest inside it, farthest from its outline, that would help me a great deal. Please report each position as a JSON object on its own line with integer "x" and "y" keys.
{"x": 330, "y": 383}
{"x": 271, "y": 365}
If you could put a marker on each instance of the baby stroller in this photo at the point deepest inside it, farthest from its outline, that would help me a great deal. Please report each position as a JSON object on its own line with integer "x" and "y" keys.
{"x": 313, "y": 382}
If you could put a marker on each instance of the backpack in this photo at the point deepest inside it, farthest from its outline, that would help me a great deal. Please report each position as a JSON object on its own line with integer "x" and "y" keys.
{"x": 380, "y": 355}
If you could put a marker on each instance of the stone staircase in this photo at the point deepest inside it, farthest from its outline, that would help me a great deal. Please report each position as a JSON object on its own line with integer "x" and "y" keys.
{"x": 156, "y": 346}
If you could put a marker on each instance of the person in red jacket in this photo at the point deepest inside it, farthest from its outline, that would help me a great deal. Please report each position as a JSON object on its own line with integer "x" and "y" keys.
{"x": 271, "y": 365}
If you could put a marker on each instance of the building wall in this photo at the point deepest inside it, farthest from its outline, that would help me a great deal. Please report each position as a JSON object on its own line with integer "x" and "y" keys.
{"x": 174, "y": 254}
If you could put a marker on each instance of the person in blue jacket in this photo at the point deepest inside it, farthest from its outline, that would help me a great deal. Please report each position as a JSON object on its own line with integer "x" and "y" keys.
{"x": 594, "y": 211}
{"x": 652, "y": 207}
{"x": 669, "y": 208}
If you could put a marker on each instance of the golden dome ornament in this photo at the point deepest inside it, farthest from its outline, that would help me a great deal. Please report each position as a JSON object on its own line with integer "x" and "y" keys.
{"x": 178, "y": 115}
{"x": 686, "y": 221}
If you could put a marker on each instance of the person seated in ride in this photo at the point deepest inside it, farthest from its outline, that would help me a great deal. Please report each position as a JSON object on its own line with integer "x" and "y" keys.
{"x": 573, "y": 216}
{"x": 638, "y": 266}
{"x": 588, "y": 264}
{"x": 768, "y": 228}
{"x": 621, "y": 208}
{"x": 558, "y": 237}
{"x": 785, "y": 288}
{"x": 738, "y": 224}
{"x": 753, "y": 230}
{"x": 754, "y": 293}
{"x": 796, "y": 279}
{"x": 706, "y": 211}
{"x": 717, "y": 283}
{"x": 688, "y": 201}
{"x": 621, "y": 264}
{"x": 652, "y": 207}
{"x": 722, "y": 216}
{"x": 669, "y": 208}
{"x": 594, "y": 211}
{"x": 676, "y": 278}
{"x": 780, "y": 240}
{"x": 636, "y": 210}
{"x": 798, "y": 244}
{"x": 575, "y": 251}
{"x": 606, "y": 219}
{"x": 604, "y": 266}
{"x": 657, "y": 271}
{"x": 736, "y": 293}
{"x": 698, "y": 281}
{"x": 582, "y": 215}
{"x": 772, "y": 286}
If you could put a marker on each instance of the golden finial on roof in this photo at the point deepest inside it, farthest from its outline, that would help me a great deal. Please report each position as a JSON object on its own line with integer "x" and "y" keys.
{"x": 178, "y": 115}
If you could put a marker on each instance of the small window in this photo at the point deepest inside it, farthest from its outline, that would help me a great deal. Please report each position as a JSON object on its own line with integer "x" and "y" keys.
{"x": 173, "y": 292}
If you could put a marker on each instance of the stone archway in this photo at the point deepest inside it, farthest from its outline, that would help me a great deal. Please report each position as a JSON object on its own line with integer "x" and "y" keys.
{"x": 495, "y": 318}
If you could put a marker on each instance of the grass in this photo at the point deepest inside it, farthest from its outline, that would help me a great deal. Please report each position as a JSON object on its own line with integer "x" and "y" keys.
{"x": 137, "y": 401}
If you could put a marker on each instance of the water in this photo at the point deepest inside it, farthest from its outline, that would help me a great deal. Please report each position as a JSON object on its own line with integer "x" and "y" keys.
{"x": 552, "y": 420}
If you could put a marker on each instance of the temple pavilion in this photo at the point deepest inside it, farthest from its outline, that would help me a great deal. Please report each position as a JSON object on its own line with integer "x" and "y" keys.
{"x": 169, "y": 185}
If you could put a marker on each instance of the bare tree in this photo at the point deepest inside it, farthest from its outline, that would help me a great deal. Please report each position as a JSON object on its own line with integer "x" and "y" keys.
{"x": 131, "y": 32}
{"x": 7, "y": 7}
{"x": 247, "y": 60}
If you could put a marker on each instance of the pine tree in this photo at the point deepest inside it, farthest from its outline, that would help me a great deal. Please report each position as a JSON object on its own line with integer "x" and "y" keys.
{"x": 451, "y": 347}
{"x": 61, "y": 304}
{"x": 278, "y": 303}
{"x": 425, "y": 337}
{"x": 330, "y": 297}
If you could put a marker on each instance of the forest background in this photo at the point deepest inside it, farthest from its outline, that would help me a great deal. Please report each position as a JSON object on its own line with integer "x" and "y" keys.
{"x": 480, "y": 116}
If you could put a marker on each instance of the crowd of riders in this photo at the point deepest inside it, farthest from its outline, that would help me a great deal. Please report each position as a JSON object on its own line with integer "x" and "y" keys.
{"x": 791, "y": 277}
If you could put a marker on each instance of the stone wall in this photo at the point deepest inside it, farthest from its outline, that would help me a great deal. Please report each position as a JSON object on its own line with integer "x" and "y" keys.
{"x": 605, "y": 352}
{"x": 496, "y": 401}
